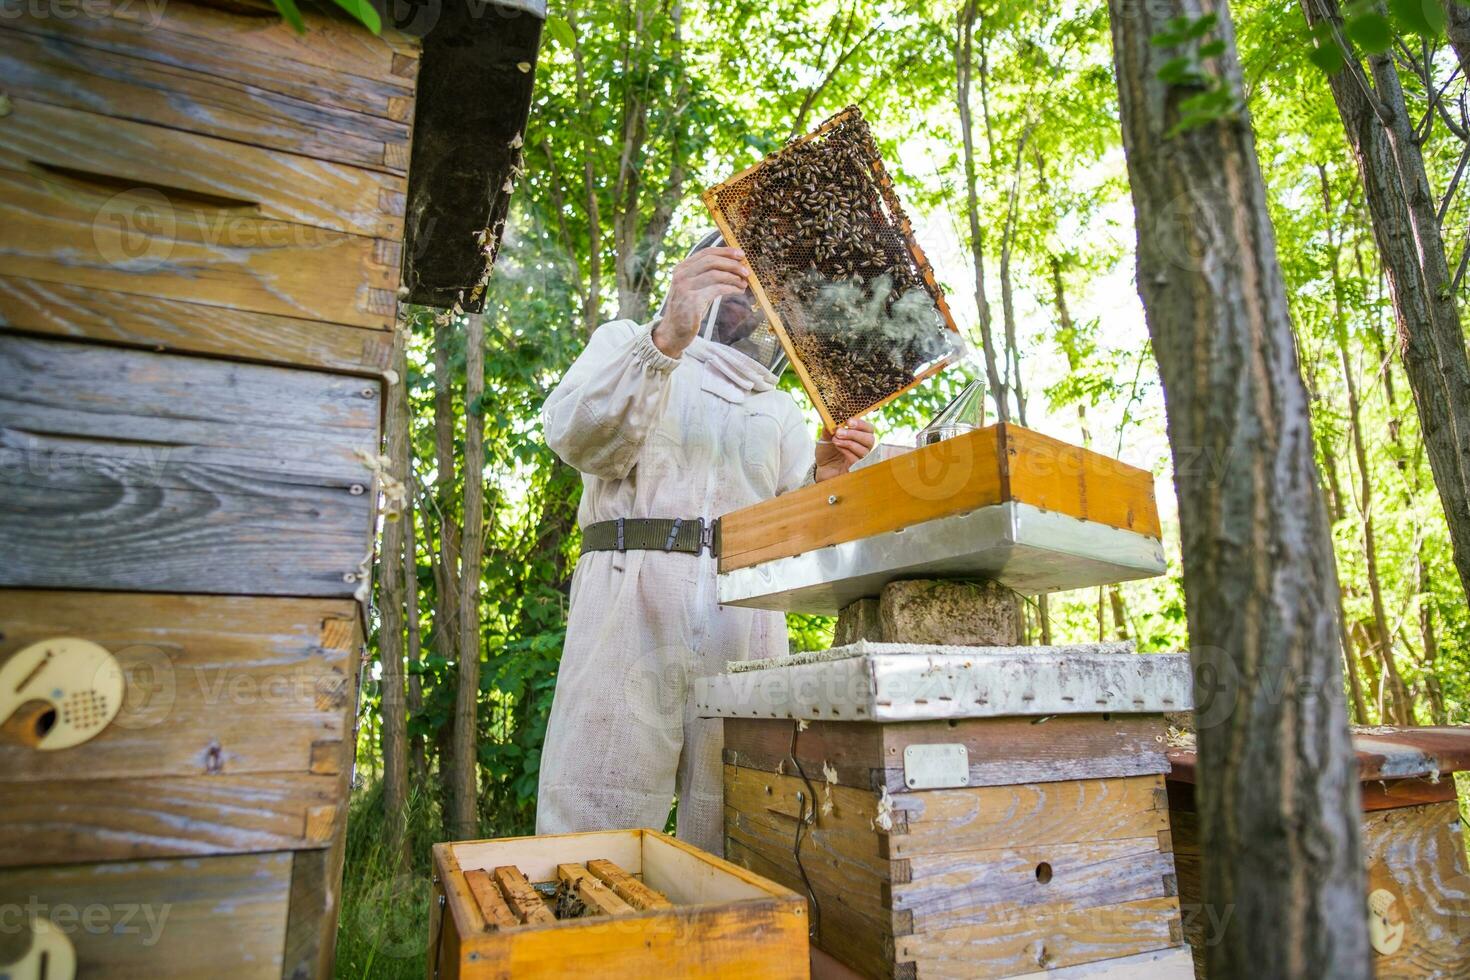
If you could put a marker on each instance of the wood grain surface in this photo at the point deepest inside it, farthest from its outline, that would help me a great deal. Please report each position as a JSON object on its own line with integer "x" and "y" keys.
{"x": 1044, "y": 939}
{"x": 985, "y": 887}
{"x": 1040, "y": 814}
{"x": 194, "y": 171}
{"x": 1417, "y": 854}
{"x": 90, "y": 229}
{"x": 628, "y": 888}
{"x": 724, "y": 921}
{"x": 235, "y": 734}
{"x": 497, "y": 913}
{"x": 60, "y": 69}
{"x": 992, "y": 465}
{"x": 1002, "y": 751}
{"x": 162, "y": 919}
{"x": 69, "y": 311}
{"x": 151, "y": 472}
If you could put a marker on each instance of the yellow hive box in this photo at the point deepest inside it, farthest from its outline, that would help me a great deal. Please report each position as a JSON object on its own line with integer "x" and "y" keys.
{"x": 722, "y": 921}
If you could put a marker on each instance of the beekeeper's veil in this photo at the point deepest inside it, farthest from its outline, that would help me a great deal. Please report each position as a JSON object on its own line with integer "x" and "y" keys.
{"x": 738, "y": 322}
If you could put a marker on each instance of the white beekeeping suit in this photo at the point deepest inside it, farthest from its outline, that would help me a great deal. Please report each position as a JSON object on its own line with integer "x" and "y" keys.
{"x": 657, "y": 437}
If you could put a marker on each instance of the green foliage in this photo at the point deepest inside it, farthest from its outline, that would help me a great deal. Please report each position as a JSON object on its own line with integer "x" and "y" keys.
{"x": 732, "y": 84}
{"x": 1214, "y": 100}
{"x": 361, "y": 10}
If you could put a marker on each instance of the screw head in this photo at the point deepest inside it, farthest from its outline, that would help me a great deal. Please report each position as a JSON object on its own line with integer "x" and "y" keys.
{"x": 357, "y": 489}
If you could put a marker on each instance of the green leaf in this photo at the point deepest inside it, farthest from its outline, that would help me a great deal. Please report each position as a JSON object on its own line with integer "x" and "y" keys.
{"x": 1177, "y": 71}
{"x": 363, "y": 12}
{"x": 1372, "y": 31}
{"x": 291, "y": 15}
{"x": 1213, "y": 49}
{"x": 1424, "y": 17}
{"x": 560, "y": 31}
{"x": 1328, "y": 57}
{"x": 1202, "y": 26}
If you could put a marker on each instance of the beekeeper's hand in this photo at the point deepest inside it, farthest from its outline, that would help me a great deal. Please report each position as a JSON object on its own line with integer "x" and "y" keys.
{"x": 838, "y": 451}
{"x": 698, "y": 281}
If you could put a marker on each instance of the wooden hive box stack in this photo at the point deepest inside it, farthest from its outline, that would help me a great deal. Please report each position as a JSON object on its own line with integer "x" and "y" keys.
{"x": 624, "y": 903}
{"x": 962, "y": 812}
{"x": 955, "y": 804}
{"x": 1413, "y": 843}
{"x": 203, "y": 213}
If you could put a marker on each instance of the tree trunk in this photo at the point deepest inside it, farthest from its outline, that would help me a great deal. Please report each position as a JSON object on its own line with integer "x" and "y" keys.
{"x": 464, "y": 820}
{"x": 1406, "y": 228}
{"x": 1457, "y": 29}
{"x": 964, "y": 69}
{"x": 1400, "y": 706}
{"x": 416, "y": 754}
{"x": 1007, "y": 297}
{"x": 390, "y": 633}
{"x": 446, "y": 593}
{"x": 1278, "y": 798}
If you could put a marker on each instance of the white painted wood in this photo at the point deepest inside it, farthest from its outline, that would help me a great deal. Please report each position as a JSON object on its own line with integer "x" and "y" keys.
{"x": 909, "y": 682}
{"x": 690, "y": 877}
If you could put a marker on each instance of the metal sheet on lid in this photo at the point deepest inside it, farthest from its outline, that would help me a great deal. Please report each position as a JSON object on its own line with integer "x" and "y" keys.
{"x": 1020, "y": 546}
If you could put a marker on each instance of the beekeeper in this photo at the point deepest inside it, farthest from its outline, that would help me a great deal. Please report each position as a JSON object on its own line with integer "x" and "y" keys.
{"x": 671, "y": 423}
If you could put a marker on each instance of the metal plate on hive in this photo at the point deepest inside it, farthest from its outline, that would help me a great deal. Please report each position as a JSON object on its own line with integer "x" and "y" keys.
{"x": 1020, "y": 546}
{"x": 943, "y": 766}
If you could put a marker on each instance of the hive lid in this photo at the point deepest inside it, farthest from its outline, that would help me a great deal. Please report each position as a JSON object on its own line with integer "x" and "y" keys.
{"x": 919, "y": 682}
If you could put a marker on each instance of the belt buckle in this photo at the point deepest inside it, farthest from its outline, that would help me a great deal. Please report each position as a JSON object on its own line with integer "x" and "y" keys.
{"x": 707, "y": 537}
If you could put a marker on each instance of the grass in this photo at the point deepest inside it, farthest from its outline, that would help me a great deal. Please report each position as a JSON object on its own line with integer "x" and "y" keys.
{"x": 383, "y": 932}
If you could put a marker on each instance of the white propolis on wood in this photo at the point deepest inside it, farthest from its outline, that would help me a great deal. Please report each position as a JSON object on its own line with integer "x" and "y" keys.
{"x": 914, "y": 682}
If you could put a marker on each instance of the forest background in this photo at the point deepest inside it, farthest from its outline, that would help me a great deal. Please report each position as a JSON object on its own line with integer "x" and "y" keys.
{"x": 999, "y": 123}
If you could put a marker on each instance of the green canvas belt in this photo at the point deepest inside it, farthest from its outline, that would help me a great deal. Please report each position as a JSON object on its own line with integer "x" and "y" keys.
{"x": 688, "y": 537}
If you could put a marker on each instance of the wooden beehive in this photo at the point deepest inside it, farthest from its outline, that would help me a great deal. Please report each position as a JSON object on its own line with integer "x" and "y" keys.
{"x": 1002, "y": 503}
{"x": 1046, "y": 846}
{"x": 719, "y": 920}
{"x": 203, "y": 213}
{"x": 1413, "y": 843}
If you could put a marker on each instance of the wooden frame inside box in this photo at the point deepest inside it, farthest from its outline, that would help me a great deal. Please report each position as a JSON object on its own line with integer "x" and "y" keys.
{"x": 722, "y": 920}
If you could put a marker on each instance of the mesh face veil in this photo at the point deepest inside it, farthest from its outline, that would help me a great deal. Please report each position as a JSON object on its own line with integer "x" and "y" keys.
{"x": 739, "y": 323}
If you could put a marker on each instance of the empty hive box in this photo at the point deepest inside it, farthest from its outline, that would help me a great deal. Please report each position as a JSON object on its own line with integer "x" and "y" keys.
{"x": 611, "y": 903}
{"x": 1002, "y": 503}
{"x": 837, "y": 270}
{"x": 1418, "y": 902}
{"x": 961, "y": 811}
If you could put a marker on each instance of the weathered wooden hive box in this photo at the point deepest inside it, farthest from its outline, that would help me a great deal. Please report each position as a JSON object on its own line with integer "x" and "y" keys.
{"x": 673, "y": 911}
{"x": 202, "y": 215}
{"x": 961, "y": 811}
{"x": 1418, "y": 902}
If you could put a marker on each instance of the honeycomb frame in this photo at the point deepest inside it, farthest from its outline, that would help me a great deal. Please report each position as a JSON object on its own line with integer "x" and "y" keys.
{"x": 728, "y": 202}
